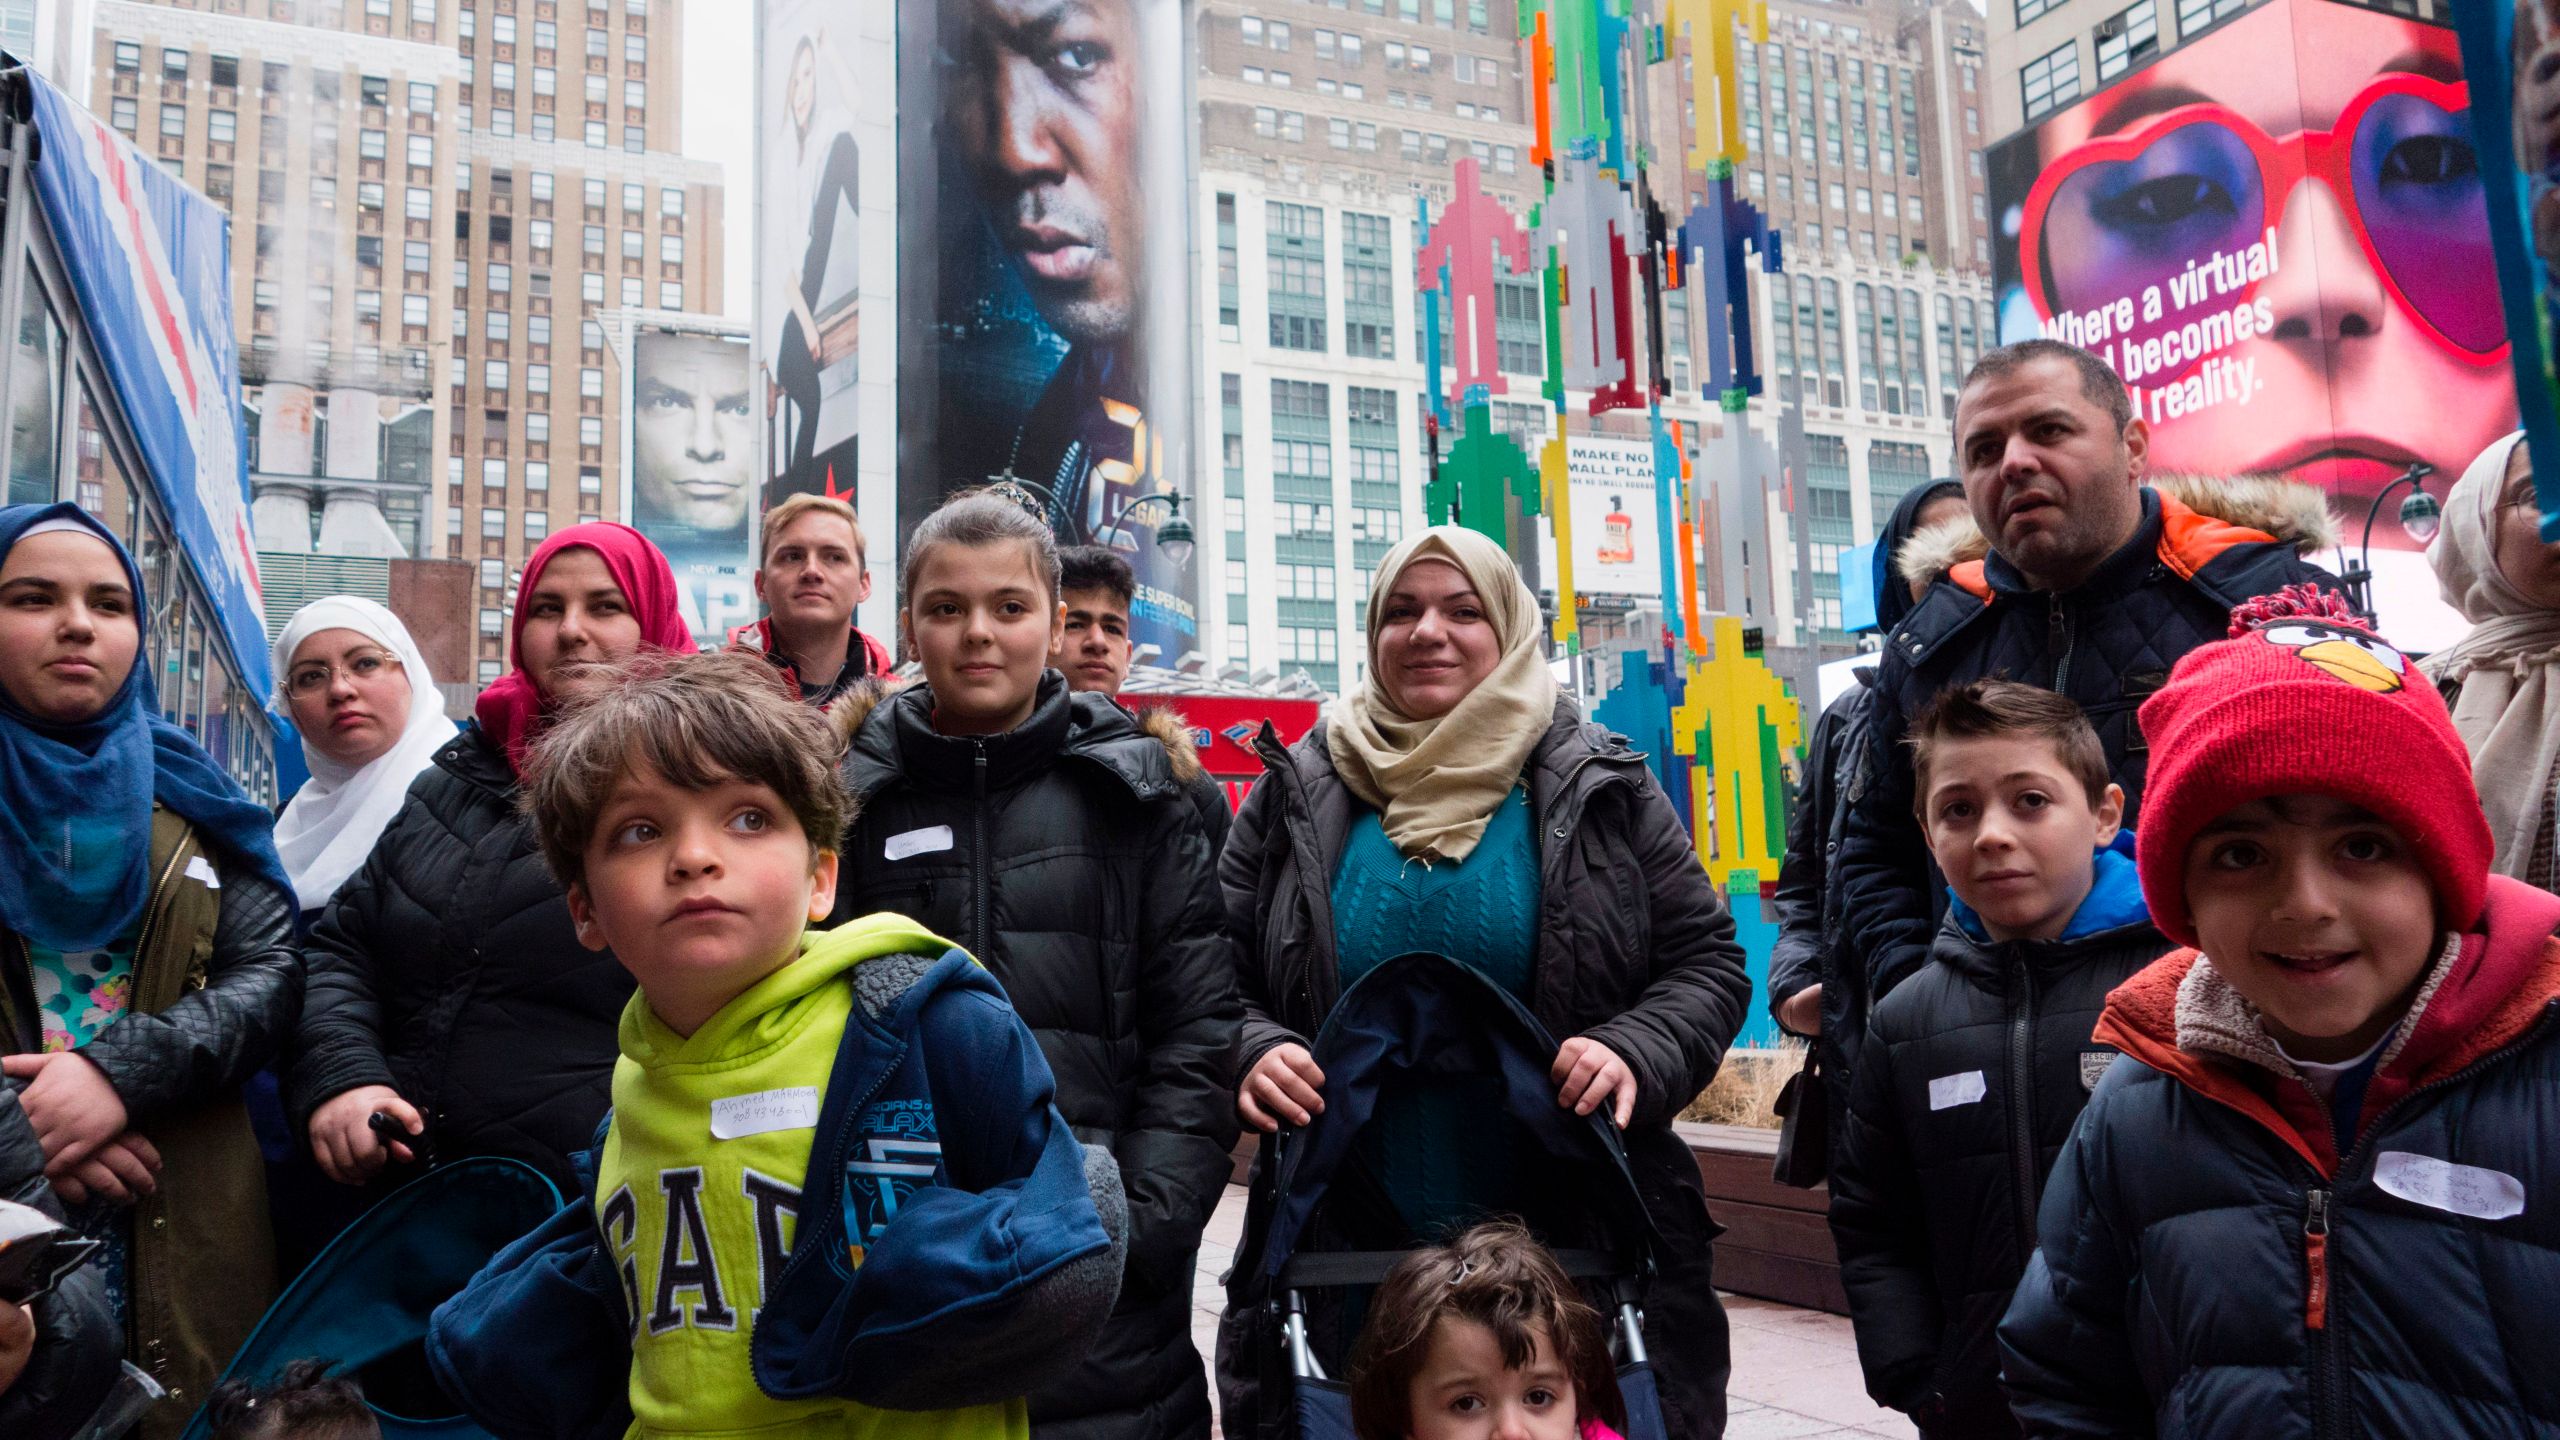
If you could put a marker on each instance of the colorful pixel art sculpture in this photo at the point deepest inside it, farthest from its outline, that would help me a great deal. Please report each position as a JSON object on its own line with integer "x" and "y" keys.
{"x": 1456, "y": 263}
{"x": 1719, "y": 727}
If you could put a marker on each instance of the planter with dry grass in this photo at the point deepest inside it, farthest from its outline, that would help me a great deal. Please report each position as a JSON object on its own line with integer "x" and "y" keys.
{"x": 1745, "y": 1090}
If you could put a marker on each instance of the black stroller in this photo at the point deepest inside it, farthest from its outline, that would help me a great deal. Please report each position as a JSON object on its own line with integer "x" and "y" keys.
{"x": 1316, "y": 1220}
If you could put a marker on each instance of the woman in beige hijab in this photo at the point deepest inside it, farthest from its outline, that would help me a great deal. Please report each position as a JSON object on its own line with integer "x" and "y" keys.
{"x": 1455, "y": 802}
{"x": 2503, "y": 679}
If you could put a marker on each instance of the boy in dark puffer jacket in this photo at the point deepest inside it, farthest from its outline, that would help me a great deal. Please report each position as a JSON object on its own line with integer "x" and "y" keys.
{"x": 2309, "y": 1208}
{"x": 1975, "y": 1069}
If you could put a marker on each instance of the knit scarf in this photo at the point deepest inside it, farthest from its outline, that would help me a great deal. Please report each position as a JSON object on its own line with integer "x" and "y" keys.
{"x": 1435, "y": 782}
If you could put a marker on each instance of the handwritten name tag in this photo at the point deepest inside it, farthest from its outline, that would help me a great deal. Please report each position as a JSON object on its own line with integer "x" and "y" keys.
{"x": 918, "y": 842}
{"x": 1948, "y": 1091}
{"x": 734, "y": 1117}
{"x": 2443, "y": 1185}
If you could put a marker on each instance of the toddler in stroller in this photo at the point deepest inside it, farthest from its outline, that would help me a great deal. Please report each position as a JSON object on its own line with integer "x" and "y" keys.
{"x": 1316, "y": 1219}
{"x": 1484, "y": 1337}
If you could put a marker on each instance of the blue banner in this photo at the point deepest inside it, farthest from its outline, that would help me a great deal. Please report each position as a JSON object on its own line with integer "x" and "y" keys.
{"x": 149, "y": 261}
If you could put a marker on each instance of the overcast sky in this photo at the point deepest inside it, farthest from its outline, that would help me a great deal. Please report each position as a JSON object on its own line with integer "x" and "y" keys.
{"x": 719, "y": 125}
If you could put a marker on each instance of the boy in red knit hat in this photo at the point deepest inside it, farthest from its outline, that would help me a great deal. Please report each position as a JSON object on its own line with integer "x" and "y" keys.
{"x": 2315, "y": 1197}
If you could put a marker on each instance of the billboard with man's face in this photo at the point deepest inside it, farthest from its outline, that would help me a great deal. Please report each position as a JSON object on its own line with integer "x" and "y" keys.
{"x": 1049, "y": 253}
{"x": 2276, "y": 234}
{"x": 693, "y": 482}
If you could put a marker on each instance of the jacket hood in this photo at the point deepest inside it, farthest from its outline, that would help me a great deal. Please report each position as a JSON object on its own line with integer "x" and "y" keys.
{"x": 2276, "y": 508}
{"x": 1165, "y": 725}
{"x": 475, "y": 759}
{"x": 1894, "y": 601}
{"x": 895, "y": 741}
{"x": 762, "y": 1014}
{"x": 2493, "y": 988}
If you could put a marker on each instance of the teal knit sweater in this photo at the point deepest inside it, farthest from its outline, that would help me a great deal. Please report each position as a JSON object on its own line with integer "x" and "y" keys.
{"x": 1433, "y": 1146}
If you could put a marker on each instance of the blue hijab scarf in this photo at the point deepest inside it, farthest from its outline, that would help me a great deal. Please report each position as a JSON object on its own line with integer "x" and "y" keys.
{"x": 75, "y": 800}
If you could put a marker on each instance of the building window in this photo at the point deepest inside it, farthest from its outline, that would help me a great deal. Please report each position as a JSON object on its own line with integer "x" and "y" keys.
{"x": 2051, "y": 80}
{"x": 1295, "y": 237}
{"x": 1368, "y": 286}
{"x": 2127, "y": 38}
{"x": 2195, "y": 16}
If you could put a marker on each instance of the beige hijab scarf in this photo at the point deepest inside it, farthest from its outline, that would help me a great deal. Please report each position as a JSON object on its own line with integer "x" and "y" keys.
{"x": 2508, "y": 666}
{"x": 1435, "y": 783}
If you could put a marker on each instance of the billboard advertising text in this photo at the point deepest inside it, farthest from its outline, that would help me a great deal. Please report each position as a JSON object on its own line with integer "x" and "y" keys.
{"x": 693, "y": 471}
{"x": 1615, "y": 531}
{"x": 1042, "y": 233}
{"x": 2276, "y": 234}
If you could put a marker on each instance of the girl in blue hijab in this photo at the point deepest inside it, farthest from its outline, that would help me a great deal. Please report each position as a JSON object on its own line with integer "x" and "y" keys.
{"x": 141, "y": 893}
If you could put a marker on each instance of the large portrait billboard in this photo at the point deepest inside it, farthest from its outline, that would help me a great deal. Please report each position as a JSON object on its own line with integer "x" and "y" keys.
{"x": 1049, "y": 254}
{"x": 2277, "y": 235}
{"x": 693, "y": 471}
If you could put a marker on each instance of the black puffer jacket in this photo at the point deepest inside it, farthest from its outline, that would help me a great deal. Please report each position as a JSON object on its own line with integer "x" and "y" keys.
{"x": 1974, "y": 1072}
{"x": 2107, "y": 644}
{"x": 78, "y": 1343}
{"x": 2210, "y": 1267}
{"x": 1067, "y": 855}
{"x": 1635, "y": 950}
{"x": 447, "y": 968}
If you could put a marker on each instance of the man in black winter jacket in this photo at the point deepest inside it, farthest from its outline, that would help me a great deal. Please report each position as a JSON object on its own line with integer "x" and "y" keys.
{"x": 2094, "y": 587}
{"x": 1975, "y": 1069}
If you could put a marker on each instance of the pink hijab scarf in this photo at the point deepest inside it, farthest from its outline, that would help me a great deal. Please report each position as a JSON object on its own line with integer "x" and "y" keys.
{"x": 511, "y": 710}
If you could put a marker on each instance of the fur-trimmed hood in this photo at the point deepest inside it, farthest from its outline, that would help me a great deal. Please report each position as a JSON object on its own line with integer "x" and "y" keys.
{"x": 2289, "y": 510}
{"x": 1160, "y": 723}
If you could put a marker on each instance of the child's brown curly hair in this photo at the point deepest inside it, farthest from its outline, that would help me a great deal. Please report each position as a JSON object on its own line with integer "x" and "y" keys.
{"x": 1500, "y": 1277}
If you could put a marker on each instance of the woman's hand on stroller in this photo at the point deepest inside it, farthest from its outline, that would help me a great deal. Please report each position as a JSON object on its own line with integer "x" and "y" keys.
{"x": 1282, "y": 1087}
{"x": 1589, "y": 1074}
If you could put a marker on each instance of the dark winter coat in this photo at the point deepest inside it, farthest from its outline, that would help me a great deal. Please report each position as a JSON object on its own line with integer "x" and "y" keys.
{"x": 447, "y": 968}
{"x": 1634, "y": 950}
{"x": 217, "y": 982}
{"x": 1974, "y": 1072}
{"x": 78, "y": 1343}
{"x": 2107, "y": 643}
{"x": 1809, "y": 898}
{"x": 1067, "y": 855}
{"x": 2211, "y": 1267}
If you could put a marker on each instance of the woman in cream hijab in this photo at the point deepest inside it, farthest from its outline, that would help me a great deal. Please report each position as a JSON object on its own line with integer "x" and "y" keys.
{"x": 1455, "y": 802}
{"x": 2503, "y": 679}
{"x": 371, "y": 719}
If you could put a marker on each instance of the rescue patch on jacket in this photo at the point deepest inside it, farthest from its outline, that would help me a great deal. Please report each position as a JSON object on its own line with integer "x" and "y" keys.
{"x": 2093, "y": 1067}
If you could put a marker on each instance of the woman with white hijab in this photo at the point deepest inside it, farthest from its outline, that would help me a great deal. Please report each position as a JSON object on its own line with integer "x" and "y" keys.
{"x": 2503, "y": 679}
{"x": 371, "y": 718}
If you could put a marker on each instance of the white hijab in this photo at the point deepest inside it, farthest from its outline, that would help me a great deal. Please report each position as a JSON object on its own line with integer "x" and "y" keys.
{"x": 333, "y": 821}
{"x": 2508, "y": 666}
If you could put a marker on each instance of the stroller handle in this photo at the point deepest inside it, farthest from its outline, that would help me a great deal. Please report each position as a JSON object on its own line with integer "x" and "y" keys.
{"x": 1303, "y": 1364}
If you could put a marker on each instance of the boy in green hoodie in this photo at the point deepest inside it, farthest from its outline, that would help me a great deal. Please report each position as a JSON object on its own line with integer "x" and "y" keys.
{"x": 691, "y": 809}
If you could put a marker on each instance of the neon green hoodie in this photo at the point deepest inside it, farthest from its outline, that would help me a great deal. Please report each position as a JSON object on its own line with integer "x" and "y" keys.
{"x": 699, "y": 1187}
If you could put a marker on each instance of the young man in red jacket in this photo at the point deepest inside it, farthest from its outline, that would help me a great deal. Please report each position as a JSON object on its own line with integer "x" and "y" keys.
{"x": 815, "y": 571}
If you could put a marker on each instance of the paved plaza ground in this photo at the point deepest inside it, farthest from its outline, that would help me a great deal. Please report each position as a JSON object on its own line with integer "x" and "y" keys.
{"x": 1795, "y": 1372}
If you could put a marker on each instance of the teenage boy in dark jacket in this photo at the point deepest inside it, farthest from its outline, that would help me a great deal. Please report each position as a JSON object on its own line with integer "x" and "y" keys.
{"x": 2315, "y": 1197}
{"x": 1976, "y": 1068}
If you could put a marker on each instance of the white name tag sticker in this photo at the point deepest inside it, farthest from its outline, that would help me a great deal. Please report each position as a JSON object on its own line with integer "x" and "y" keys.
{"x": 918, "y": 842}
{"x": 1948, "y": 1091}
{"x": 199, "y": 868}
{"x": 2442, "y": 1185}
{"x": 734, "y": 1117}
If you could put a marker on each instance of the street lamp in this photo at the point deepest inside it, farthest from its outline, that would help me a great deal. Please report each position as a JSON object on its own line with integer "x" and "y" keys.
{"x": 2421, "y": 514}
{"x": 1174, "y": 537}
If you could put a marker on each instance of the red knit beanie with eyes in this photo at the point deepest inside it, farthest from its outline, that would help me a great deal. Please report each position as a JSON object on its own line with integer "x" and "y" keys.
{"x": 2304, "y": 699}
